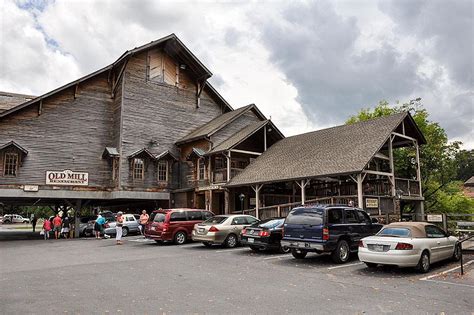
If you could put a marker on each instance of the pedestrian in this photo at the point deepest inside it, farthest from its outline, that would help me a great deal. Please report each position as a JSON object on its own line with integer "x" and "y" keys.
{"x": 65, "y": 227}
{"x": 99, "y": 226}
{"x": 118, "y": 228}
{"x": 46, "y": 228}
{"x": 33, "y": 221}
{"x": 57, "y": 222}
{"x": 143, "y": 220}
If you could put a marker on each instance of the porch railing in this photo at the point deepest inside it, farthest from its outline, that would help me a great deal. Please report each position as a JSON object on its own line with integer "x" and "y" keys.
{"x": 408, "y": 187}
{"x": 220, "y": 175}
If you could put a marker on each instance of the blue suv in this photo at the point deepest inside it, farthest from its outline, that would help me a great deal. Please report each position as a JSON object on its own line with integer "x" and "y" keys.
{"x": 334, "y": 229}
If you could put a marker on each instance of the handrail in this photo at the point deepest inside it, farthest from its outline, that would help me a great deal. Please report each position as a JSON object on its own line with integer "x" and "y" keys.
{"x": 460, "y": 242}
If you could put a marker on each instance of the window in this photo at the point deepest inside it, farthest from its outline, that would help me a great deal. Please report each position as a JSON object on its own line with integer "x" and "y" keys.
{"x": 157, "y": 217}
{"x": 434, "y": 232}
{"x": 220, "y": 163}
{"x": 395, "y": 232}
{"x": 206, "y": 215}
{"x": 251, "y": 220}
{"x": 306, "y": 216}
{"x": 194, "y": 215}
{"x": 162, "y": 171}
{"x": 351, "y": 216}
{"x": 335, "y": 216}
{"x": 364, "y": 217}
{"x": 239, "y": 221}
{"x": 10, "y": 166}
{"x": 138, "y": 168}
{"x": 178, "y": 216}
{"x": 201, "y": 169}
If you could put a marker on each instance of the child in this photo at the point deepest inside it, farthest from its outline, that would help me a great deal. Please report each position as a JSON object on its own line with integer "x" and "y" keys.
{"x": 46, "y": 228}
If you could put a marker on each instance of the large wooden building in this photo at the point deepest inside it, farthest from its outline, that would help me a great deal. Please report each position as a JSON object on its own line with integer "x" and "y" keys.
{"x": 149, "y": 131}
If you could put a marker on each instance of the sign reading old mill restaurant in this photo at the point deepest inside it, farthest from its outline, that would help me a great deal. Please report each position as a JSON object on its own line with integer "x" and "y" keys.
{"x": 67, "y": 178}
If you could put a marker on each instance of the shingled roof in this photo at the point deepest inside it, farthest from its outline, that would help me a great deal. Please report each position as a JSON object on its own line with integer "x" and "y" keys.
{"x": 216, "y": 124}
{"x": 338, "y": 150}
{"x": 469, "y": 182}
{"x": 9, "y": 100}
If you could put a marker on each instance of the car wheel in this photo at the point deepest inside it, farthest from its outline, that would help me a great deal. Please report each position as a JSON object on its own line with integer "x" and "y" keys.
{"x": 255, "y": 248}
{"x": 160, "y": 242}
{"x": 180, "y": 238}
{"x": 124, "y": 231}
{"x": 207, "y": 244}
{"x": 424, "y": 263}
{"x": 342, "y": 252}
{"x": 371, "y": 265}
{"x": 231, "y": 241}
{"x": 284, "y": 249}
{"x": 298, "y": 254}
{"x": 457, "y": 252}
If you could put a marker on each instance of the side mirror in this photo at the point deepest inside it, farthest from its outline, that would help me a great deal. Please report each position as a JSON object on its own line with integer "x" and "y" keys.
{"x": 374, "y": 220}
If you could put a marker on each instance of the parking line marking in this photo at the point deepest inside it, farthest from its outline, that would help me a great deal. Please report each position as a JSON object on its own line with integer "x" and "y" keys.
{"x": 230, "y": 250}
{"x": 452, "y": 283}
{"x": 446, "y": 271}
{"x": 344, "y": 266}
{"x": 276, "y": 257}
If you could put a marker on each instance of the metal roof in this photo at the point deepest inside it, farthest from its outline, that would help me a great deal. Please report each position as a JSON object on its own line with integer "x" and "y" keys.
{"x": 338, "y": 150}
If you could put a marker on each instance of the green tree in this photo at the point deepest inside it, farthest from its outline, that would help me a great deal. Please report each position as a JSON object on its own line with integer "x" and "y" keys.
{"x": 465, "y": 164}
{"x": 439, "y": 158}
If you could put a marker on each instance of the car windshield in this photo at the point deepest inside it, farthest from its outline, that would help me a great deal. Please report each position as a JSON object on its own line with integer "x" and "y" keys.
{"x": 307, "y": 216}
{"x": 158, "y": 217}
{"x": 269, "y": 223}
{"x": 394, "y": 232}
{"x": 216, "y": 220}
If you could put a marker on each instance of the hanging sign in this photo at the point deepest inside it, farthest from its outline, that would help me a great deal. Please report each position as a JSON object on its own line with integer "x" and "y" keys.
{"x": 434, "y": 218}
{"x": 372, "y": 203}
{"x": 67, "y": 178}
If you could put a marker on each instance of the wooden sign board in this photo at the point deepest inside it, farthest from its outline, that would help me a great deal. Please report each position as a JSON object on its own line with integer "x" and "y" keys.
{"x": 67, "y": 178}
{"x": 32, "y": 188}
{"x": 434, "y": 218}
{"x": 372, "y": 203}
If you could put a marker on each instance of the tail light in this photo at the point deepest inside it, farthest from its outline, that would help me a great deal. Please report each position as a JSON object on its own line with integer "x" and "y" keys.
{"x": 213, "y": 229}
{"x": 264, "y": 233}
{"x": 325, "y": 234}
{"x": 165, "y": 227}
{"x": 361, "y": 244}
{"x": 244, "y": 231}
{"x": 404, "y": 246}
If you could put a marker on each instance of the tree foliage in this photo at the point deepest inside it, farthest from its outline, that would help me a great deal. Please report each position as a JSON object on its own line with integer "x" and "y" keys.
{"x": 442, "y": 162}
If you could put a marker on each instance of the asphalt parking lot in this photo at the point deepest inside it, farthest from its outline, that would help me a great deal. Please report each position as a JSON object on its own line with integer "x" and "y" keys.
{"x": 84, "y": 276}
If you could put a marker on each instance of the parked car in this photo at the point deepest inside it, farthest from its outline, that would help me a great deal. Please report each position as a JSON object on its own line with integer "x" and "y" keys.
{"x": 83, "y": 224}
{"x": 14, "y": 218}
{"x": 222, "y": 229}
{"x": 409, "y": 244}
{"x": 334, "y": 229}
{"x": 89, "y": 229}
{"x": 265, "y": 235}
{"x": 130, "y": 225}
{"x": 174, "y": 224}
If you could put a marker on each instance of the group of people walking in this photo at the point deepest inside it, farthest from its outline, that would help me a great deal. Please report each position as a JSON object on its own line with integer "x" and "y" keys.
{"x": 58, "y": 225}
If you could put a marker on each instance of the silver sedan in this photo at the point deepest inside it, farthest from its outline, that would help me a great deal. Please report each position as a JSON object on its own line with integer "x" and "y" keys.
{"x": 409, "y": 244}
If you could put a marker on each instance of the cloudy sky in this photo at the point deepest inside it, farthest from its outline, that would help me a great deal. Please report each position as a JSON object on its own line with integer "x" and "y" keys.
{"x": 307, "y": 65}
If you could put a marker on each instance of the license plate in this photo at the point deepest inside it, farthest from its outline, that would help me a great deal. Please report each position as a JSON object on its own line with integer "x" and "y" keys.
{"x": 378, "y": 248}
{"x": 250, "y": 240}
{"x": 153, "y": 228}
{"x": 201, "y": 230}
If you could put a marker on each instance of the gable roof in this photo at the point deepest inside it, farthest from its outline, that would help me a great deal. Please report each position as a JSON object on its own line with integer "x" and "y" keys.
{"x": 164, "y": 154}
{"x": 16, "y": 145}
{"x": 238, "y": 137}
{"x": 142, "y": 152}
{"x": 173, "y": 45}
{"x": 338, "y": 150}
{"x": 9, "y": 100}
{"x": 469, "y": 182}
{"x": 218, "y": 123}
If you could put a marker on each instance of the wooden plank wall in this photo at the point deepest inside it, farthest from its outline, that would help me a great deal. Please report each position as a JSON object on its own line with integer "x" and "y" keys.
{"x": 157, "y": 113}
{"x": 69, "y": 134}
{"x": 246, "y": 119}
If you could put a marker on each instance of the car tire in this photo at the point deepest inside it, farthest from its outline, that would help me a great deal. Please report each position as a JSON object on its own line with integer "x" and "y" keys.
{"x": 180, "y": 238}
{"x": 284, "y": 249}
{"x": 342, "y": 252}
{"x": 159, "y": 242}
{"x": 371, "y": 265}
{"x": 231, "y": 241}
{"x": 255, "y": 248}
{"x": 124, "y": 231}
{"x": 298, "y": 254}
{"x": 207, "y": 244}
{"x": 424, "y": 263}
{"x": 457, "y": 253}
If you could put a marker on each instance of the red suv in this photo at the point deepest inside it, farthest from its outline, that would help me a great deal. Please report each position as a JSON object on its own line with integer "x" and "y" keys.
{"x": 174, "y": 224}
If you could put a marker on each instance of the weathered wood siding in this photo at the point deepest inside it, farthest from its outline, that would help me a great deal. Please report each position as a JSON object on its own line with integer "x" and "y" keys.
{"x": 235, "y": 126}
{"x": 155, "y": 115}
{"x": 69, "y": 134}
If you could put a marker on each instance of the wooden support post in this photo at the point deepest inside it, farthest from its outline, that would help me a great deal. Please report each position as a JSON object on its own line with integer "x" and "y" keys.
{"x": 257, "y": 188}
{"x": 77, "y": 220}
{"x": 392, "y": 168}
{"x": 302, "y": 185}
{"x": 360, "y": 197}
{"x": 279, "y": 211}
{"x": 210, "y": 200}
{"x": 40, "y": 107}
{"x": 228, "y": 165}
{"x": 418, "y": 167}
{"x": 226, "y": 202}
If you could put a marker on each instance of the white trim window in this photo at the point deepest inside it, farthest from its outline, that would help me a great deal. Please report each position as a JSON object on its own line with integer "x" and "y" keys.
{"x": 10, "y": 164}
{"x": 138, "y": 169}
{"x": 162, "y": 171}
{"x": 201, "y": 169}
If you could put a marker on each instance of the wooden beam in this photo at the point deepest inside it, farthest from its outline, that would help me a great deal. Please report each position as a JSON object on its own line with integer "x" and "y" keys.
{"x": 302, "y": 184}
{"x": 122, "y": 70}
{"x": 360, "y": 197}
{"x": 245, "y": 152}
{"x": 40, "y": 107}
{"x": 76, "y": 90}
{"x": 381, "y": 156}
{"x": 392, "y": 167}
{"x": 265, "y": 138}
{"x": 228, "y": 157}
{"x": 257, "y": 188}
{"x": 377, "y": 173}
{"x": 418, "y": 167}
{"x": 403, "y": 136}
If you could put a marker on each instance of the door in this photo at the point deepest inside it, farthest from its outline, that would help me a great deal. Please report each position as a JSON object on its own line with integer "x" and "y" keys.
{"x": 354, "y": 227}
{"x": 194, "y": 217}
{"x": 366, "y": 223}
{"x": 438, "y": 242}
{"x": 238, "y": 224}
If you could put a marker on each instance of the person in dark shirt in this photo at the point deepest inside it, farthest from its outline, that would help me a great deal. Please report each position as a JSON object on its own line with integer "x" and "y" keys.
{"x": 65, "y": 227}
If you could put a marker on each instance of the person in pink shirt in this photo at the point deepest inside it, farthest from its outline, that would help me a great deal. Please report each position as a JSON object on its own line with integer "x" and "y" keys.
{"x": 46, "y": 228}
{"x": 57, "y": 222}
